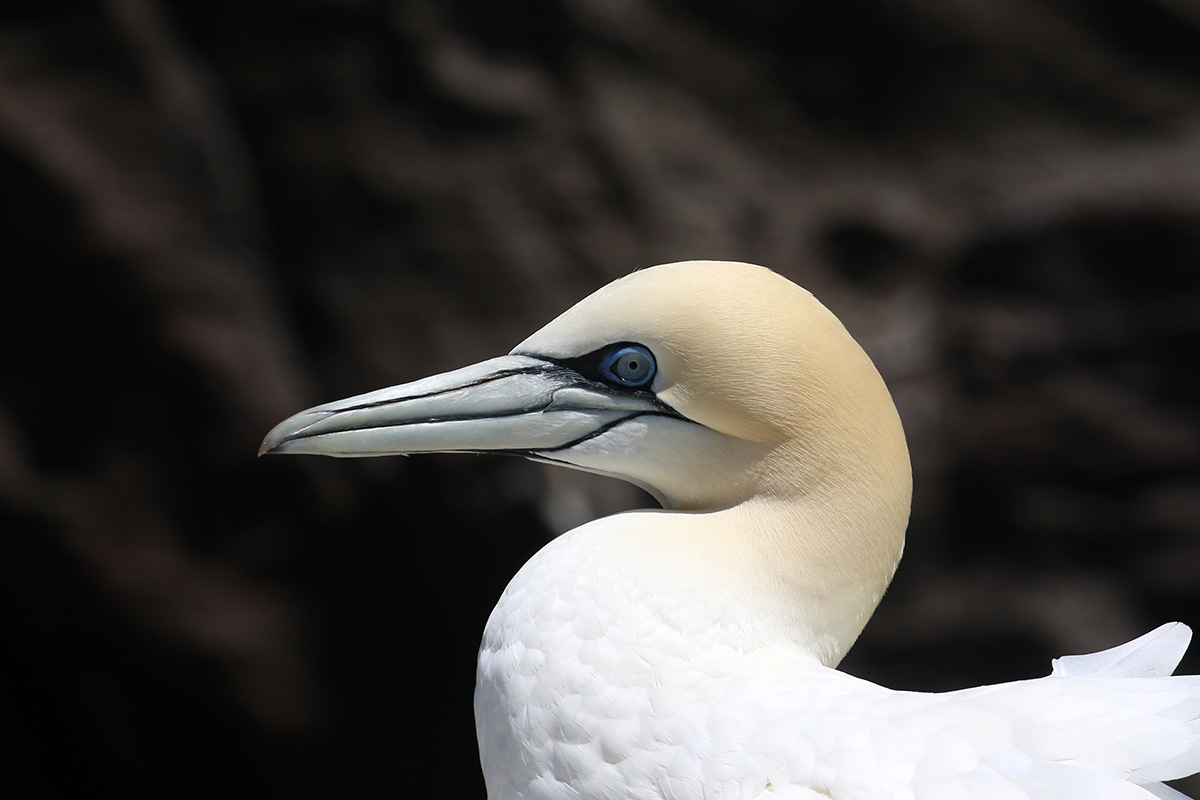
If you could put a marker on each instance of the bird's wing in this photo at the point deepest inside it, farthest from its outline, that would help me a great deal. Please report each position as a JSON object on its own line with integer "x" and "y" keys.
{"x": 1087, "y": 731}
{"x": 1150, "y": 655}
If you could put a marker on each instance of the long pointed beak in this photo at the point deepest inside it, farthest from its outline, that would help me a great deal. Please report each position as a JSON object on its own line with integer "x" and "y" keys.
{"x": 515, "y": 404}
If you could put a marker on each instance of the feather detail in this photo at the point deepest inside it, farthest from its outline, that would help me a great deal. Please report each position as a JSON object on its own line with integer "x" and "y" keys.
{"x": 1151, "y": 655}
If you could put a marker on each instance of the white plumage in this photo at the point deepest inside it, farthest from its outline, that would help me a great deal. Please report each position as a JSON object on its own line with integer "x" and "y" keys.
{"x": 674, "y": 701}
{"x": 689, "y": 653}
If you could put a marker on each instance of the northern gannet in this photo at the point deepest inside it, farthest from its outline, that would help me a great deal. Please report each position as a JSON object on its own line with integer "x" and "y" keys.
{"x": 690, "y": 652}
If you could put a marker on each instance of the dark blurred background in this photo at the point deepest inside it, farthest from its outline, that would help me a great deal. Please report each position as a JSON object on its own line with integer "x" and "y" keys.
{"x": 216, "y": 213}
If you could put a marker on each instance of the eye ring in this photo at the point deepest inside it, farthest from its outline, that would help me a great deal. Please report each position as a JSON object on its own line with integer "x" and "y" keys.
{"x": 629, "y": 365}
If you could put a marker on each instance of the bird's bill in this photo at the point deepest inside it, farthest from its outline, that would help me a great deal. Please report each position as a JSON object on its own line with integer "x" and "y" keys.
{"x": 515, "y": 404}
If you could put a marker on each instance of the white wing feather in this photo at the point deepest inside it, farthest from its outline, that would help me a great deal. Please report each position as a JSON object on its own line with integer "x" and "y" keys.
{"x": 1152, "y": 655}
{"x": 1087, "y": 731}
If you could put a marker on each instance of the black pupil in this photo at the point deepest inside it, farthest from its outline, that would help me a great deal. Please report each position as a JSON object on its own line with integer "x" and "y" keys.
{"x": 631, "y": 366}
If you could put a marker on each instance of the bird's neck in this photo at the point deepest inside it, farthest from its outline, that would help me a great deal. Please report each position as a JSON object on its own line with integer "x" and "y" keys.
{"x": 821, "y": 567}
{"x": 826, "y": 523}
{"x": 806, "y": 557}
{"x": 826, "y": 535}
{"x": 796, "y": 574}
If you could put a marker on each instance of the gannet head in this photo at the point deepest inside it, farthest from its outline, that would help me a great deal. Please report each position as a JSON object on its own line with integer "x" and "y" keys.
{"x": 711, "y": 384}
{"x": 703, "y": 382}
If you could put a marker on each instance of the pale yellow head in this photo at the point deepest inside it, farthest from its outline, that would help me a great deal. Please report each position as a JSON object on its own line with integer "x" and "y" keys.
{"x": 758, "y": 406}
{"x": 749, "y": 355}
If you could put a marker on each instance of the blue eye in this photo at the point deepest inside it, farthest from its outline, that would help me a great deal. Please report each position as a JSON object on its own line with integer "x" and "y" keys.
{"x": 631, "y": 365}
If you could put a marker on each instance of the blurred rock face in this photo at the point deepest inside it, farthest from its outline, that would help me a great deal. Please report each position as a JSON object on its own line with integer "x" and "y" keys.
{"x": 216, "y": 214}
